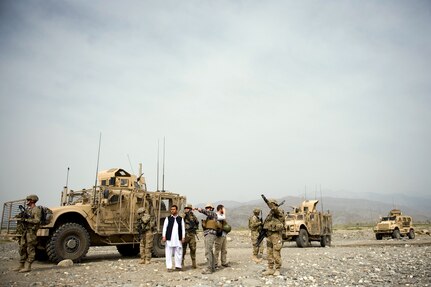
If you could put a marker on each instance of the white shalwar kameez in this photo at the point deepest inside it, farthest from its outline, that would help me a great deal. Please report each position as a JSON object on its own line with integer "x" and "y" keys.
{"x": 174, "y": 246}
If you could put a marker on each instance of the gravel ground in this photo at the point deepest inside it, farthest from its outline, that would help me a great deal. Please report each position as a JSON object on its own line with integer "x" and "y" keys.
{"x": 354, "y": 259}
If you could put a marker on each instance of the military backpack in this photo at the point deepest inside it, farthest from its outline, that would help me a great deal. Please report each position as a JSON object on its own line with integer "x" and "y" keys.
{"x": 45, "y": 215}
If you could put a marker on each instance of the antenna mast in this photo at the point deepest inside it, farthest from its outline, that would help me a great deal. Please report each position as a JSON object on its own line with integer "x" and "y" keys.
{"x": 158, "y": 168}
{"x": 130, "y": 163}
{"x": 163, "y": 175}
{"x": 321, "y": 198}
{"x": 67, "y": 176}
{"x": 97, "y": 167}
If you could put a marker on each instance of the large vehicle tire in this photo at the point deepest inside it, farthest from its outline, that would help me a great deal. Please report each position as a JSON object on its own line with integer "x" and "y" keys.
{"x": 396, "y": 234}
{"x": 323, "y": 241}
{"x": 411, "y": 234}
{"x": 158, "y": 246}
{"x": 379, "y": 236}
{"x": 128, "y": 250}
{"x": 328, "y": 240}
{"x": 69, "y": 241}
{"x": 302, "y": 239}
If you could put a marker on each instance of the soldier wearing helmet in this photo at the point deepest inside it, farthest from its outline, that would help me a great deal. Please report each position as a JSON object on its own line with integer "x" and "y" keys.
{"x": 255, "y": 225}
{"x": 209, "y": 225}
{"x": 28, "y": 221}
{"x": 274, "y": 225}
{"x": 33, "y": 198}
{"x": 145, "y": 230}
{"x": 191, "y": 226}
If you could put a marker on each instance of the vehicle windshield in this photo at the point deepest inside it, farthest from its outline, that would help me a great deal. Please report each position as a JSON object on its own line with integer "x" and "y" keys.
{"x": 388, "y": 218}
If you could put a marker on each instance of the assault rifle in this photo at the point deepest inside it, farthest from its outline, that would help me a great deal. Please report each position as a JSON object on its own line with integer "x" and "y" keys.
{"x": 267, "y": 202}
{"x": 192, "y": 225}
{"x": 261, "y": 219}
{"x": 139, "y": 229}
{"x": 21, "y": 225}
{"x": 263, "y": 231}
{"x": 23, "y": 213}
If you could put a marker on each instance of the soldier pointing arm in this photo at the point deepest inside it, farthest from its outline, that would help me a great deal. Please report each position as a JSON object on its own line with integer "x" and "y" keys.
{"x": 274, "y": 225}
{"x": 209, "y": 226}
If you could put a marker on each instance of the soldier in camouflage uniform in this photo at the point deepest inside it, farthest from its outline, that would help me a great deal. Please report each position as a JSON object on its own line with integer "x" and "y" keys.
{"x": 274, "y": 224}
{"x": 28, "y": 224}
{"x": 191, "y": 224}
{"x": 145, "y": 229}
{"x": 209, "y": 225}
{"x": 255, "y": 226}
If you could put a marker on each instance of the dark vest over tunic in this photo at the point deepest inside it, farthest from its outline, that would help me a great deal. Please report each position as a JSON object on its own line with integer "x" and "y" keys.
{"x": 171, "y": 226}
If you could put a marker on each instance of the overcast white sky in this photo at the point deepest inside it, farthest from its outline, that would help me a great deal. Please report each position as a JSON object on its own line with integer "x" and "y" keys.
{"x": 273, "y": 97}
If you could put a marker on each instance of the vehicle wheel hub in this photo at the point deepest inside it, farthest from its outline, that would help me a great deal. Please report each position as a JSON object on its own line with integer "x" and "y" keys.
{"x": 72, "y": 244}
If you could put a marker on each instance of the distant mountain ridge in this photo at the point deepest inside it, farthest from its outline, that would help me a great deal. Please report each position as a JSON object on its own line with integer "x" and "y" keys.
{"x": 350, "y": 211}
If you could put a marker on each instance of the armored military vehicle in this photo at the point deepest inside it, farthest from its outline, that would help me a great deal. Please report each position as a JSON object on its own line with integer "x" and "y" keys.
{"x": 100, "y": 216}
{"x": 305, "y": 224}
{"x": 395, "y": 225}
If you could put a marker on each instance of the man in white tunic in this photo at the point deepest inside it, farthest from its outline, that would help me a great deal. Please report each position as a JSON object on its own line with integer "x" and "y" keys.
{"x": 220, "y": 246}
{"x": 173, "y": 235}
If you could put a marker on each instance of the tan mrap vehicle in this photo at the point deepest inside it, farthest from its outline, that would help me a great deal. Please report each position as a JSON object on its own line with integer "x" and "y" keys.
{"x": 101, "y": 216}
{"x": 395, "y": 225}
{"x": 306, "y": 224}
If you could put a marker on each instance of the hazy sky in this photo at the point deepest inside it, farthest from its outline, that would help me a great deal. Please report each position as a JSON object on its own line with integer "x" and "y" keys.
{"x": 273, "y": 97}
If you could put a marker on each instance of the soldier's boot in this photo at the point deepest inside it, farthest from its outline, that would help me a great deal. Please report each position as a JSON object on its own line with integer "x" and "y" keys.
{"x": 268, "y": 272}
{"x": 182, "y": 263}
{"x": 194, "y": 264}
{"x": 26, "y": 269}
{"x": 147, "y": 261}
{"x": 277, "y": 272}
{"x": 207, "y": 271}
{"x": 255, "y": 259}
{"x": 21, "y": 266}
{"x": 143, "y": 261}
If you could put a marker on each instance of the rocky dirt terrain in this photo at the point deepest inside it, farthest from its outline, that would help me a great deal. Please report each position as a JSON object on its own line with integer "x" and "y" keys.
{"x": 354, "y": 259}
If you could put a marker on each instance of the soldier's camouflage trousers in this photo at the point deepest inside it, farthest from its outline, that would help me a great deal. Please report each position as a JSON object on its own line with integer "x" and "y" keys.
{"x": 190, "y": 240}
{"x": 146, "y": 245}
{"x": 209, "y": 251}
{"x": 274, "y": 243}
{"x": 27, "y": 246}
{"x": 257, "y": 250}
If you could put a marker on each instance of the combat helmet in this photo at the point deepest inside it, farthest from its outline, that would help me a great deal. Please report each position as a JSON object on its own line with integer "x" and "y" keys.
{"x": 209, "y": 205}
{"x": 32, "y": 197}
{"x": 273, "y": 201}
{"x": 189, "y": 206}
{"x": 141, "y": 210}
{"x": 256, "y": 210}
{"x": 227, "y": 228}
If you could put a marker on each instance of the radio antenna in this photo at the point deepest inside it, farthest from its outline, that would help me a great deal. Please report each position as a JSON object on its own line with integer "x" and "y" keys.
{"x": 67, "y": 176}
{"x": 321, "y": 198}
{"x": 131, "y": 167}
{"x": 97, "y": 167}
{"x": 158, "y": 168}
{"x": 163, "y": 175}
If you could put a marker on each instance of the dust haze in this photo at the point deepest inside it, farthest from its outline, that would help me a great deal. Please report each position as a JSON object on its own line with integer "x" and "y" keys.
{"x": 281, "y": 97}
